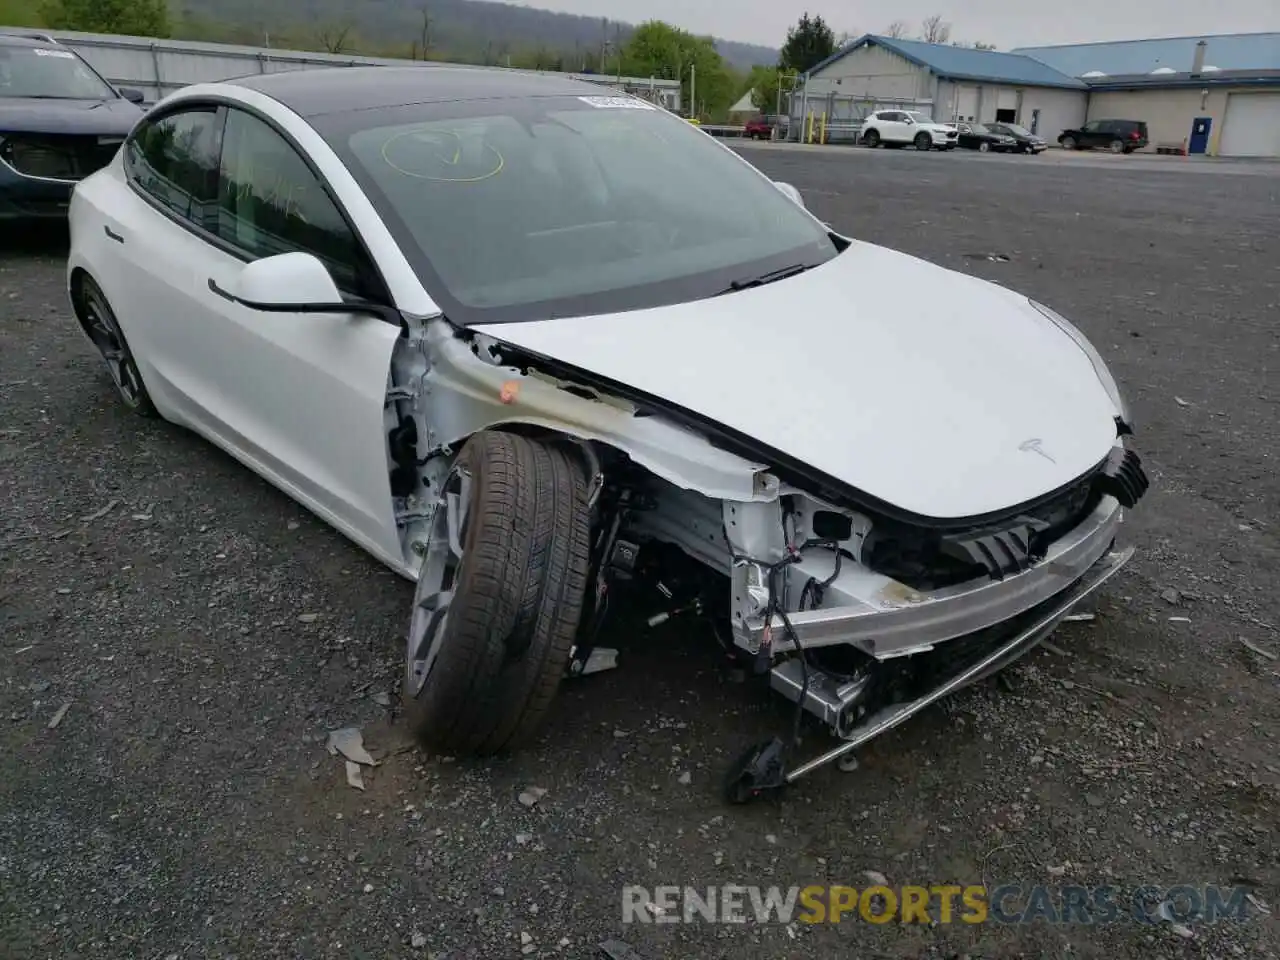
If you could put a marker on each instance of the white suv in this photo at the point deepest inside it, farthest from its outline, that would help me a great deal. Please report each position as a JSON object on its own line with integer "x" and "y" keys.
{"x": 898, "y": 127}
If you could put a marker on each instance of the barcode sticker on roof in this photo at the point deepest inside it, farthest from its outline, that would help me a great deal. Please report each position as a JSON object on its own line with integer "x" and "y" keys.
{"x": 62, "y": 54}
{"x": 617, "y": 103}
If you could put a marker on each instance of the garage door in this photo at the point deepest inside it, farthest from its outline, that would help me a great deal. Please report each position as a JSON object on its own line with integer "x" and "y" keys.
{"x": 966, "y": 103}
{"x": 1252, "y": 126}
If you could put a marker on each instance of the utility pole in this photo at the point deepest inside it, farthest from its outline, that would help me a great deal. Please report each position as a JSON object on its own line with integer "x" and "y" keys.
{"x": 693, "y": 90}
{"x": 604, "y": 40}
{"x": 777, "y": 115}
{"x": 617, "y": 49}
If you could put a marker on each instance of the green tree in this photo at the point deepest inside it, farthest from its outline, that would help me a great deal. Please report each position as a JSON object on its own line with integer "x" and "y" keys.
{"x": 657, "y": 49}
{"x": 142, "y": 18}
{"x": 809, "y": 42}
{"x": 763, "y": 84}
{"x": 19, "y": 13}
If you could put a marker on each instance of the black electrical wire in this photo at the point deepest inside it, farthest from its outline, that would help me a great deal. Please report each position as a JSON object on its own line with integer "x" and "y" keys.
{"x": 813, "y": 585}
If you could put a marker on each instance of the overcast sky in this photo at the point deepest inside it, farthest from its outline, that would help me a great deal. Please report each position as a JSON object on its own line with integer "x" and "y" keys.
{"x": 1006, "y": 23}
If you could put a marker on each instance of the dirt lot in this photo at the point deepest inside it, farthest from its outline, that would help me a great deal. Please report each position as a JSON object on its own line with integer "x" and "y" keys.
{"x": 207, "y": 634}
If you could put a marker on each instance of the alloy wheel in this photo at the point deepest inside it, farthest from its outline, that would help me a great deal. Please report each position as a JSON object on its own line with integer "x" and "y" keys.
{"x": 105, "y": 333}
{"x": 441, "y": 564}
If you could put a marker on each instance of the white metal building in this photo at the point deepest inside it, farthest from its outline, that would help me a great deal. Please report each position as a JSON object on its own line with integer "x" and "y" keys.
{"x": 956, "y": 83}
{"x": 1218, "y": 95}
{"x": 158, "y": 67}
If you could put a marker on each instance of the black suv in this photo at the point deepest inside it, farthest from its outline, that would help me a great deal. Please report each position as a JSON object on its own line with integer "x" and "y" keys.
{"x": 1118, "y": 136}
{"x": 59, "y": 122}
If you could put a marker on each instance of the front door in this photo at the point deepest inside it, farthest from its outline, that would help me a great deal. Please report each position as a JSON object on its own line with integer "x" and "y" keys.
{"x": 304, "y": 393}
{"x": 1199, "y": 140}
{"x": 893, "y": 126}
{"x": 1089, "y": 133}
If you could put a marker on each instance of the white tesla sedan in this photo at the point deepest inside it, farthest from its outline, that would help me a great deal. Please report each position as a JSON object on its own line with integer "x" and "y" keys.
{"x": 524, "y": 343}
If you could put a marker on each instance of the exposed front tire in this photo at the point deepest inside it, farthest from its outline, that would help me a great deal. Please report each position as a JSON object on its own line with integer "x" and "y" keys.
{"x": 499, "y": 596}
{"x": 1068, "y": 143}
{"x": 103, "y": 329}
{"x": 871, "y": 138}
{"x": 923, "y": 141}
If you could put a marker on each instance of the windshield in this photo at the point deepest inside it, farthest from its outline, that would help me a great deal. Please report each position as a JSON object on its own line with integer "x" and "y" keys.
{"x": 517, "y": 209}
{"x": 979, "y": 128}
{"x": 919, "y": 117}
{"x": 1016, "y": 130}
{"x": 47, "y": 73}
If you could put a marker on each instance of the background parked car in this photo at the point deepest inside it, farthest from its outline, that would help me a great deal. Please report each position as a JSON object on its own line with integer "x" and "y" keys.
{"x": 977, "y": 136}
{"x": 1027, "y": 141}
{"x": 758, "y": 128}
{"x": 897, "y": 128}
{"x": 1118, "y": 136}
{"x": 59, "y": 122}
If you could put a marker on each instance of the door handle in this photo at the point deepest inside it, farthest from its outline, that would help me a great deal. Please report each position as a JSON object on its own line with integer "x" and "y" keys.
{"x": 113, "y": 235}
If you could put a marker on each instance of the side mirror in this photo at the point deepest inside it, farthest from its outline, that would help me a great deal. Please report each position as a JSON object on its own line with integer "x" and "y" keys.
{"x": 287, "y": 279}
{"x": 296, "y": 283}
{"x": 132, "y": 95}
{"x": 790, "y": 191}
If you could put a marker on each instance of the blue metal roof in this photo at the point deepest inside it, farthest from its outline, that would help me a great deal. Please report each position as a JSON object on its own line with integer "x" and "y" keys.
{"x": 1236, "y": 51}
{"x": 964, "y": 63}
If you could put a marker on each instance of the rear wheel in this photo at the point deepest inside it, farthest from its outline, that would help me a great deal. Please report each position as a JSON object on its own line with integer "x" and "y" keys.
{"x": 499, "y": 596}
{"x": 1117, "y": 146}
{"x": 103, "y": 328}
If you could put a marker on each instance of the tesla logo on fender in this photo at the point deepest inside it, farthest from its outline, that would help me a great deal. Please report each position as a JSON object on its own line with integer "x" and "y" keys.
{"x": 1033, "y": 446}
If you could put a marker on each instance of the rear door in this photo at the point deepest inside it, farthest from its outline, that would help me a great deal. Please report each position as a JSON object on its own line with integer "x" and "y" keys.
{"x": 171, "y": 167}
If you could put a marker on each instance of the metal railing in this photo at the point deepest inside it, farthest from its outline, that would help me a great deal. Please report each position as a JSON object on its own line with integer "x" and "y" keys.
{"x": 128, "y": 61}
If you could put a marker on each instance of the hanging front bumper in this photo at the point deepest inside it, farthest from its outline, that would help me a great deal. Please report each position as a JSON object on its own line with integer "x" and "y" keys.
{"x": 1034, "y": 628}
{"x": 885, "y": 619}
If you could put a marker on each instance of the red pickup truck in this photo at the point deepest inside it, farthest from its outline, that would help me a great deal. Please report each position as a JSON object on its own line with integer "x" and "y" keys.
{"x": 758, "y": 129}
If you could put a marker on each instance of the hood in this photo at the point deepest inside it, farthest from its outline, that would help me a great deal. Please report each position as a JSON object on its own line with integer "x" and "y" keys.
{"x": 943, "y": 395}
{"x": 93, "y": 117}
{"x": 938, "y": 126}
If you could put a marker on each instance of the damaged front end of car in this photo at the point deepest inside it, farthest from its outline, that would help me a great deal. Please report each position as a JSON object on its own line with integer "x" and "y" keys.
{"x": 860, "y": 616}
{"x": 864, "y": 622}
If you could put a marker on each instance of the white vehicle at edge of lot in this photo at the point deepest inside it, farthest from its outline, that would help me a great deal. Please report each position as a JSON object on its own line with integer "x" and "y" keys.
{"x": 525, "y": 343}
{"x": 900, "y": 127}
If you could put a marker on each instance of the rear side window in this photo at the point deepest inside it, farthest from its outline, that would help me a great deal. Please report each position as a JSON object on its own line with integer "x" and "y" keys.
{"x": 271, "y": 202}
{"x": 174, "y": 160}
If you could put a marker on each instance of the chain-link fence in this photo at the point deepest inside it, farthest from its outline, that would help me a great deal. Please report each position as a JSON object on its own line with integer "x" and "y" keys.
{"x": 837, "y": 118}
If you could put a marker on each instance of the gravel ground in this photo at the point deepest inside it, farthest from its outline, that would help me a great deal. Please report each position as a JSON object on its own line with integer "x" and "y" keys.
{"x": 207, "y": 634}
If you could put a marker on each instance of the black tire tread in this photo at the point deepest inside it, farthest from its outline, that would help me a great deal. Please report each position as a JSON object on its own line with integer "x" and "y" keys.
{"x": 518, "y": 598}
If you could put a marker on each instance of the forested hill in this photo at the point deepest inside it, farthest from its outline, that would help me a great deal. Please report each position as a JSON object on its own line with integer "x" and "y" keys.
{"x": 456, "y": 29}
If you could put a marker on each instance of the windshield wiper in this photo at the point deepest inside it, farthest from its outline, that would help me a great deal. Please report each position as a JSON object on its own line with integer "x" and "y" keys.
{"x": 780, "y": 274}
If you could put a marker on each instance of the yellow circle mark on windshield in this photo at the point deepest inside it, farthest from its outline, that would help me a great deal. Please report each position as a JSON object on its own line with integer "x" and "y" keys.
{"x": 448, "y": 154}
